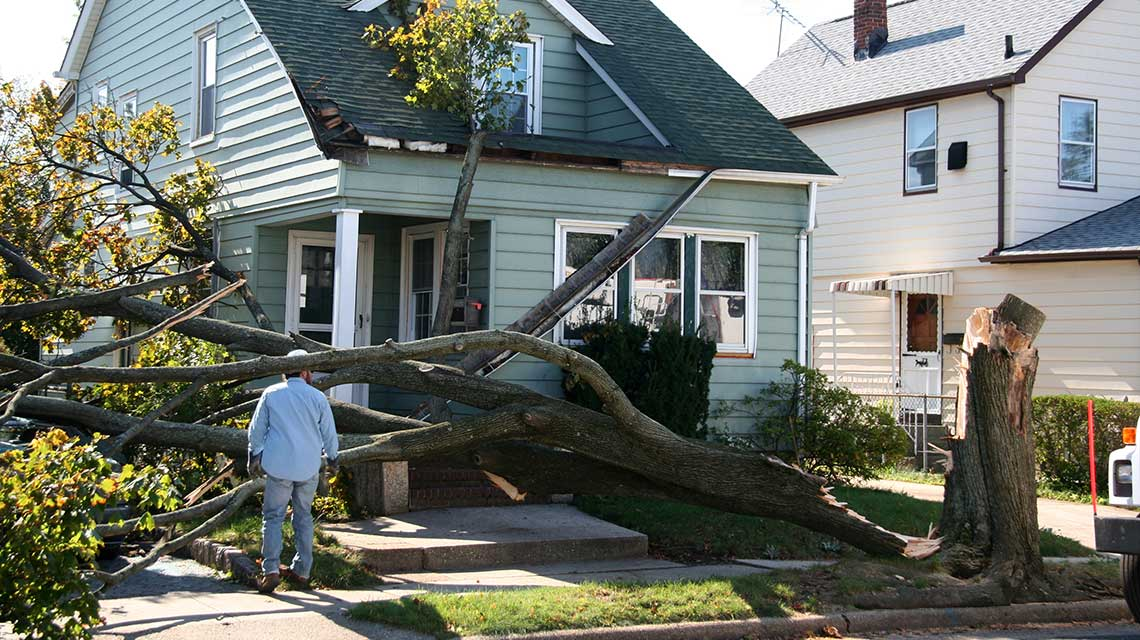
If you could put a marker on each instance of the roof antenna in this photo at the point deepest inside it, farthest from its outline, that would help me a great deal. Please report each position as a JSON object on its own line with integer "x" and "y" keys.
{"x": 778, "y": 7}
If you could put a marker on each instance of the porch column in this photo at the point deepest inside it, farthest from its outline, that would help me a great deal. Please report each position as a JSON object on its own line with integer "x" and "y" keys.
{"x": 344, "y": 287}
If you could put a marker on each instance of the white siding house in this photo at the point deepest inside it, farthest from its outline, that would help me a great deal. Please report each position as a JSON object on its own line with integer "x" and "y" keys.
{"x": 931, "y": 255}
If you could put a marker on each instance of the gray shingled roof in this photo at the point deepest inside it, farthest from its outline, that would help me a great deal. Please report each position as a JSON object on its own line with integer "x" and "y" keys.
{"x": 1113, "y": 230}
{"x": 708, "y": 118}
{"x": 933, "y": 44}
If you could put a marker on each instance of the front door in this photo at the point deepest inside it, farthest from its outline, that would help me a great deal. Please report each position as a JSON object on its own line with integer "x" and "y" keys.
{"x": 309, "y": 291}
{"x": 921, "y": 370}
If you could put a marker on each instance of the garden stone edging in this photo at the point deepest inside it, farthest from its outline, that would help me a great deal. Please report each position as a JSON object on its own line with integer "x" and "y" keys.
{"x": 852, "y": 622}
{"x": 225, "y": 559}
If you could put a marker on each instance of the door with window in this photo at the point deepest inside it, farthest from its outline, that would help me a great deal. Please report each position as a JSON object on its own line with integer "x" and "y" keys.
{"x": 309, "y": 291}
{"x": 921, "y": 370}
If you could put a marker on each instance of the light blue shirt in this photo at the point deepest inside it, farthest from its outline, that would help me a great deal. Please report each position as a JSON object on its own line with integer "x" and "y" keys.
{"x": 292, "y": 423}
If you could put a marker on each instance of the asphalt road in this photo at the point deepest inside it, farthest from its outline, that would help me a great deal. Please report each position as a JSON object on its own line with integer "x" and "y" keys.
{"x": 1048, "y": 632}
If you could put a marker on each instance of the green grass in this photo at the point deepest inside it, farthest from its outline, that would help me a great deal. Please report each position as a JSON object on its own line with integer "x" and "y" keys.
{"x": 1044, "y": 490}
{"x": 780, "y": 594}
{"x": 334, "y": 567}
{"x": 687, "y": 533}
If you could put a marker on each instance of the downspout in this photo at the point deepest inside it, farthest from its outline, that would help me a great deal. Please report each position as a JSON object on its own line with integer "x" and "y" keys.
{"x": 1001, "y": 169}
{"x": 803, "y": 237}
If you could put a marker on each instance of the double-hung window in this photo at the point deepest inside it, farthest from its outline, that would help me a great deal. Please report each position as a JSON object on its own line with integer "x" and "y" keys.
{"x": 205, "y": 82}
{"x": 101, "y": 95}
{"x": 522, "y": 102}
{"x": 921, "y": 163}
{"x": 701, "y": 281}
{"x": 579, "y": 245}
{"x": 1077, "y": 162}
{"x": 130, "y": 110}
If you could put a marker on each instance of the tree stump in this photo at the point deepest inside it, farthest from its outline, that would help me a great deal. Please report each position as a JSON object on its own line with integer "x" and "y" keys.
{"x": 989, "y": 519}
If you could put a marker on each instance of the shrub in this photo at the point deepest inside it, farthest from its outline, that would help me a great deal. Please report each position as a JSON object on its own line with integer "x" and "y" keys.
{"x": 824, "y": 428}
{"x": 51, "y": 495}
{"x": 665, "y": 373}
{"x": 1060, "y": 427}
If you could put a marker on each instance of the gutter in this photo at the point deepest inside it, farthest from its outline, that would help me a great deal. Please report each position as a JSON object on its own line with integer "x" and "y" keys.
{"x": 1064, "y": 256}
{"x": 1001, "y": 168}
{"x": 804, "y": 286}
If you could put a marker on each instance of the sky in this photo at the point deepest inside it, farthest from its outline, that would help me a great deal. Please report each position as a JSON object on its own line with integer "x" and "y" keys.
{"x": 741, "y": 35}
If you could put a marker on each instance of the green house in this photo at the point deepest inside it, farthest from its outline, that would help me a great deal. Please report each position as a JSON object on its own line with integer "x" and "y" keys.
{"x": 337, "y": 190}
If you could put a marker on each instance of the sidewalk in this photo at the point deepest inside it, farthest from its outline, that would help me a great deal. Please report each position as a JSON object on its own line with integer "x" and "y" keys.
{"x": 1068, "y": 519}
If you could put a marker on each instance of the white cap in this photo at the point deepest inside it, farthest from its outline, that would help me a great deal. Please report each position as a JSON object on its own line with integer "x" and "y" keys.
{"x": 296, "y": 352}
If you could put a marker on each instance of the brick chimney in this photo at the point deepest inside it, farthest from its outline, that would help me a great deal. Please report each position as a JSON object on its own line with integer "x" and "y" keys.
{"x": 870, "y": 23}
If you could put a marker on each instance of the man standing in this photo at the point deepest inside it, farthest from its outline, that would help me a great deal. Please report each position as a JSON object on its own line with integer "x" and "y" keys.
{"x": 290, "y": 427}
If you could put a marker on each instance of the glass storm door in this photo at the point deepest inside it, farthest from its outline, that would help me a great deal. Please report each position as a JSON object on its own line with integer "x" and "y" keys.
{"x": 310, "y": 290}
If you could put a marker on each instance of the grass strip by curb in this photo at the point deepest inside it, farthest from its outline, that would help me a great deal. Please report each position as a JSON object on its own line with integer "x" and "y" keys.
{"x": 853, "y": 622}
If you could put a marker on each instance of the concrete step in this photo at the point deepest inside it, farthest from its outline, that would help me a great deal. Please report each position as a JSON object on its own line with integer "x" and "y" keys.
{"x": 469, "y": 538}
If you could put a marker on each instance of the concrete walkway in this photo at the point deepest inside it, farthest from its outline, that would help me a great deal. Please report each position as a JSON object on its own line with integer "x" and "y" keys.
{"x": 1068, "y": 519}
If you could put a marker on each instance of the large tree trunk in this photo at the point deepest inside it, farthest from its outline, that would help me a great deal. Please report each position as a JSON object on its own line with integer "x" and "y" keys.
{"x": 989, "y": 520}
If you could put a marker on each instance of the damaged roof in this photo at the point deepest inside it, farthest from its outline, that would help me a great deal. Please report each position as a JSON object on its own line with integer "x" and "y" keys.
{"x": 1112, "y": 233}
{"x": 707, "y": 117}
{"x": 933, "y": 45}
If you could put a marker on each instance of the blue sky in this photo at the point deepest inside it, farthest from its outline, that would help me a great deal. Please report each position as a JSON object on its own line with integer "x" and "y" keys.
{"x": 739, "y": 34}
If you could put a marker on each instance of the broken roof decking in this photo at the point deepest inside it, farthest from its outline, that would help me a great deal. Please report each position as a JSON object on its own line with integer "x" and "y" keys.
{"x": 1112, "y": 233}
{"x": 934, "y": 44}
{"x": 708, "y": 119}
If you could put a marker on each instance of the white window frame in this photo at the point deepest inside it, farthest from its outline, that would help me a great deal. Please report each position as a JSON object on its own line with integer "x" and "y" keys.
{"x": 751, "y": 303}
{"x": 1073, "y": 184}
{"x": 131, "y": 99}
{"x": 562, "y": 228}
{"x": 197, "y": 137}
{"x": 300, "y": 238}
{"x": 908, "y": 151}
{"x": 748, "y": 347}
{"x": 534, "y": 83}
{"x": 633, "y": 288}
{"x": 101, "y": 94}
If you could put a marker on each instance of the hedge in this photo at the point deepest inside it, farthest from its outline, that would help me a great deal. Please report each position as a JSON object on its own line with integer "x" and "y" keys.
{"x": 1060, "y": 425}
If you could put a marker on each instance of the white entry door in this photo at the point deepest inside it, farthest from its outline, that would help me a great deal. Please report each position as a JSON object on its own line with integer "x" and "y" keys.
{"x": 921, "y": 366}
{"x": 309, "y": 291}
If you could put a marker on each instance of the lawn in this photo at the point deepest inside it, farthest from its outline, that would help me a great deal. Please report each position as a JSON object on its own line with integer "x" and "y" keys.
{"x": 781, "y": 594}
{"x": 693, "y": 534}
{"x": 334, "y": 567}
{"x": 1044, "y": 490}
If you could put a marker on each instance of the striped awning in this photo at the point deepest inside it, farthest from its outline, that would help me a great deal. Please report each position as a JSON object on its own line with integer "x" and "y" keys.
{"x": 941, "y": 283}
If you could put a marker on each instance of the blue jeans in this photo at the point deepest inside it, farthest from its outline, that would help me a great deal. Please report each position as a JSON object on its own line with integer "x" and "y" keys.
{"x": 278, "y": 493}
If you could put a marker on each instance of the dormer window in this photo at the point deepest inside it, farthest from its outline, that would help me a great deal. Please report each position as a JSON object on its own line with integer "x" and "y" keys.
{"x": 525, "y": 106}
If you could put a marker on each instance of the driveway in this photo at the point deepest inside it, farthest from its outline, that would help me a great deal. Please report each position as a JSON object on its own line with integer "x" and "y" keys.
{"x": 1068, "y": 519}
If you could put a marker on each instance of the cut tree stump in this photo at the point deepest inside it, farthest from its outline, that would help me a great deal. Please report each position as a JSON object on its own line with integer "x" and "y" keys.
{"x": 989, "y": 519}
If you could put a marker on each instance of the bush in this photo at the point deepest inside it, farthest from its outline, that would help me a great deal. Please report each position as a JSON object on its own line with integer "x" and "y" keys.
{"x": 51, "y": 496}
{"x": 664, "y": 373}
{"x": 1060, "y": 427}
{"x": 823, "y": 428}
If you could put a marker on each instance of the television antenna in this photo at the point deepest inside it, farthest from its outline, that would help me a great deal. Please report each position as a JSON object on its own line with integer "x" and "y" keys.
{"x": 786, "y": 14}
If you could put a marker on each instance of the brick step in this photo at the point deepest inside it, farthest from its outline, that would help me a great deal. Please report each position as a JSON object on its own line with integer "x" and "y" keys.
{"x": 432, "y": 476}
{"x": 446, "y": 539}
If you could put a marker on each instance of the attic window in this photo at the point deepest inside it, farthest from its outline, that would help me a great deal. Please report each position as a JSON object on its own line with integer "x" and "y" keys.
{"x": 525, "y": 107}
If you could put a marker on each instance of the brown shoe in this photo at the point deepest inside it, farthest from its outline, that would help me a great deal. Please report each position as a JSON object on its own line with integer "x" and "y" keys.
{"x": 291, "y": 576}
{"x": 268, "y": 582}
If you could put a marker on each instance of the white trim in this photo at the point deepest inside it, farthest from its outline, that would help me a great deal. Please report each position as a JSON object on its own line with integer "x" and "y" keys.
{"x": 561, "y": 228}
{"x": 570, "y": 16}
{"x": 81, "y": 37}
{"x": 751, "y": 303}
{"x": 437, "y": 230}
{"x": 908, "y": 151}
{"x": 633, "y": 288}
{"x": 535, "y": 83}
{"x": 577, "y": 22}
{"x": 621, "y": 94}
{"x": 774, "y": 177}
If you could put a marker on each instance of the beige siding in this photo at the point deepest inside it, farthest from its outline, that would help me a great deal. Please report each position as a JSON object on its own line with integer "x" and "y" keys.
{"x": 868, "y": 225}
{"x": 1099, "y": 60}
{"x": 1090, "y": 343}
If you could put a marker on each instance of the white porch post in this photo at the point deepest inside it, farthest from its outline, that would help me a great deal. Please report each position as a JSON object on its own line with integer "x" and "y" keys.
{"x": 345, "y": 286}
{"x": 895, "y": 368}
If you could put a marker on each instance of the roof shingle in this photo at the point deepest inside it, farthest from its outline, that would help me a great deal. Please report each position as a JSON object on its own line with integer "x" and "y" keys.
{"x": 1113, "y": 230}
{"x": 708, "y": 118}
{"x": 933, "y": 44}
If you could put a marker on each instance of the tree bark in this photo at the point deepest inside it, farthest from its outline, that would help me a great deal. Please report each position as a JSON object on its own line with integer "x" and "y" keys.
{"x": 989, "y": 520}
